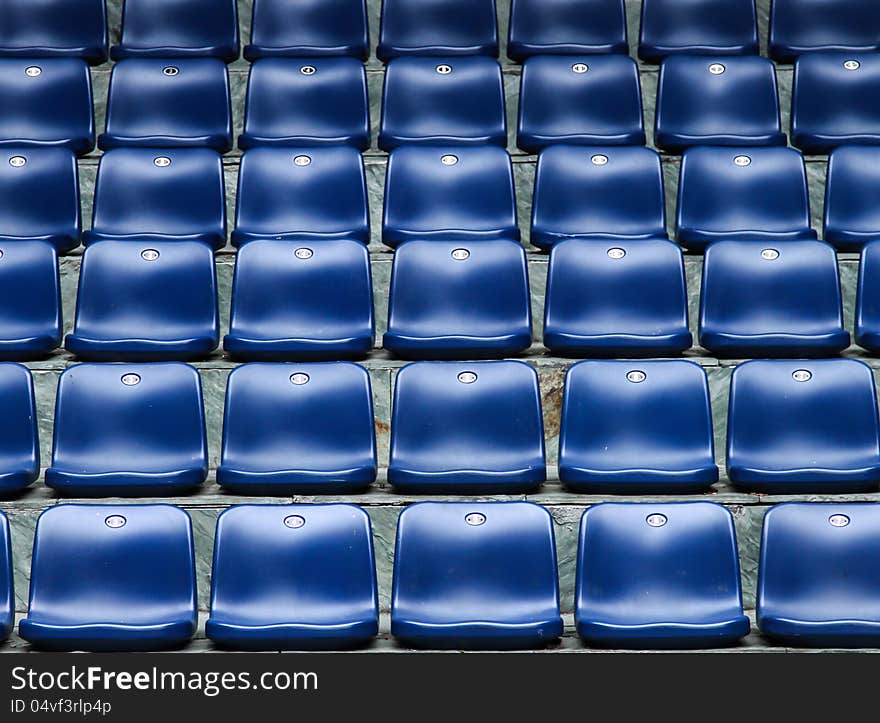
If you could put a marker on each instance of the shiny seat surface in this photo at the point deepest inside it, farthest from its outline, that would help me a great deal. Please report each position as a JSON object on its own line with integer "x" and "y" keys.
{"x": 19, "y": 442}
{"x": 867, "y": 312}
{"x": 804, "y": 26}
{"x": 7, "y": 587}
{"x": 852, "y": 216}
{"x": 48, "y": 29}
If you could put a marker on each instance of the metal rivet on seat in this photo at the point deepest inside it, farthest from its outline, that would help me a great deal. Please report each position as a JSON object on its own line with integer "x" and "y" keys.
{"x": 636, "y": 376}
{"x": 308, "y": 70}
{"x": 149, "y": 254}
{"x": 115, "y": 521}
{"x": 32, "y": 71}
{"x": 303, "y": 253}
{"x": 162, "y": 161}
{"x": 444, "y": 69}
{"x": 299, "y": 378}
{"x": 131, "y": 380}
{"x": 742, "y": 161}
{"x": 769, "y": 254}
{"x": 17, "y": 161}
{"x": 467, "y": 377}
{"x": 460, "y": 254}
{"x": 838, "y": 520}
{"x": 302, "y": 160}
{"x": 448, "y": 159}
{"x": 852, "y": 65}
{"x": 170, "y": 70}
{"x": 580, "y": 67}
{"x": 801, "y": 375}
{"x": 599, "y": 159}
{"x": 475, "y": 519}
{"x": 716, "y": 68}
{"x": 616, "y": 253}
{"x": 294, "y": 522}
{"x": 656, "y": 520}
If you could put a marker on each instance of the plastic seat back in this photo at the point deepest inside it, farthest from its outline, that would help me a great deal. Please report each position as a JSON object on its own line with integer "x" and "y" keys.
{"x": 852, "y": 218}
{"x": 7, "y": 588}
{"x": 867, "y": 312}
{"x": 48, "y": 28}
{"x": 19, "y": 439}
{"x": 803, "y": 26}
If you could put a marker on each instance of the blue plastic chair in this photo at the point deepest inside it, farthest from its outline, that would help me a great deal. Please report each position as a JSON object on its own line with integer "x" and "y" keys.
{"x": 589, "y": 100}
{"x": 467, "y": 428}
{"x": 49, "y": 28}
{"x": 659, "y": 576}
{"x": 613, "y": 192}
{"x": 298, "y": 429}
{"x": 803, "y": 26}
{"x": 112, "y": 578}
{"x": 771, "y": 299}
{"x": 442, "y": 101}
{"x": 308, "y": 28}
{"x": 171, "y": 103}
{"x": 818, "y": 577}
{"x": 616, "y": 299}
{"x": 566, "y": 27}
{"x": 39, "y": 197}
{"x": 459, "y": 299}
{"x": 293, "y": 301}
{"x": 19, "y": 440}
{"x": 175, "y": 29}
{"x": 475, "y": 575}
{"x": 312, "y": 102}
{"x": 852, "y": 216}
{"x": 448, "y": 192}
{"x": 7, "y": 588}
{"x": 742, "y": 193}
{"x": 867, "y": 312}
{"x": 128, "y": 430}
{"x": 437, "y": 27}
{"x": 46, "y": 102}
{"x": 717, "y": 100}
{"x": 144, "y": 194}
{"x": 30, "y": 299}
{"x": 293, "y": 577}
{"x": 803, "y": 426}
{"x": 301, "y": 193}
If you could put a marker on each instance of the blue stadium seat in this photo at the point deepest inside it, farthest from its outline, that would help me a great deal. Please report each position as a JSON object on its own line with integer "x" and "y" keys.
{"x": 835, "y": 101}
{"x": 867, "y": 312}
{"x": 566, "y": 27}
{"x": 112, "y": 578}
{"x": 49, "y": 28}
{"x": 819, "y": 579}
{"x": 144, "y": 194}
{"x": 717, "y": 100}
{"x": 614, "y": 192}
{"x": 852, "y": 215}
{"x": 590, "y": 100}
{"x": 802, "y": 26}
{"x": 39, "y": 197}
{"x": 293, "y": 577}
{"x": 616, "y": 298}
{"x": 292, "y": 301}
{"x": 307, "y": 193}
{"x": 147, "y": 301}
{"x": 449, "y": 192}
{"x": 30, "y": 299}
{"x": 742, "y": 193}
{"x": 168, "y": 104}
{"x": 467, "y": 428}
{"x": 437, "y": 27}
{"x": 441, "y": 101}
{"x": 19, "y": 443}
{"x": 46, "y": 102}
{"x": 308, "y": 28}
{"x": 7, "y": 590}
{"x": 475, "y": 575}
{"x": 298, "y": 429}
{"x": 721, "y": 27}
{"x": 313, "y": 102}
{"x": 659, "y": 576}
{"x": 126, "y": 429}
{"x": 771, "y": 299}
{"x": 458, "y": 299}
{"x": 636, "y": 427}
{"x": 175, "y": 29}
{"x": 803, "y": 426}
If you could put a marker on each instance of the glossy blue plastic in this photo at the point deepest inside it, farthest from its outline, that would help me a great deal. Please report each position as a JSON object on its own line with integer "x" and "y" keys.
{"x": 7, "y": 591}
{"x": 128, "y": 430}
{"x": 308, "y": 28}
{"x": 613, "y": 192}
{"x": 560, "y": 102}
{"x": 437, "y": 27}
{"x": 19, "y": 439}
{"x": 306, "y": 102}
{"x": 566, "y": 27}
{"x": 636, "y": 427}
{"x": 803, "y": 26}
{"x": 852, "y": 215}
{"x": 275, "y": 586}
{"x": 771, "y": 299}
{"x": 146, "y": 194}
{"x": 459, "y": 299}
{"x": 658, "y": 576}
{"x": 99, "y": 586}
{"x": 49, "y": 28}
{"x": 175, "y": 29}
{"x": 30, "y": 299}
{"x": 145, "y": 301}
{"x": 835, "y": 100}
{"x": 467, "y": 428}
{"x": 867, "y": 312}
{"x": 442, "y": 101}
{"x": 46, "y": 102}
{"x": 698, "y": 105}
{"x": 298, "y": 429}
{"x": 168, "y": 103}
{"x": 742, "y": 193}
{"x": 449, "y": 192}
{"x": 301, "y": 193}
{"x": 791, "y": 432}
{"x": 818, "y": 576}
{"x": 294, "y": 300}
{"x": 475, "y": 575}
